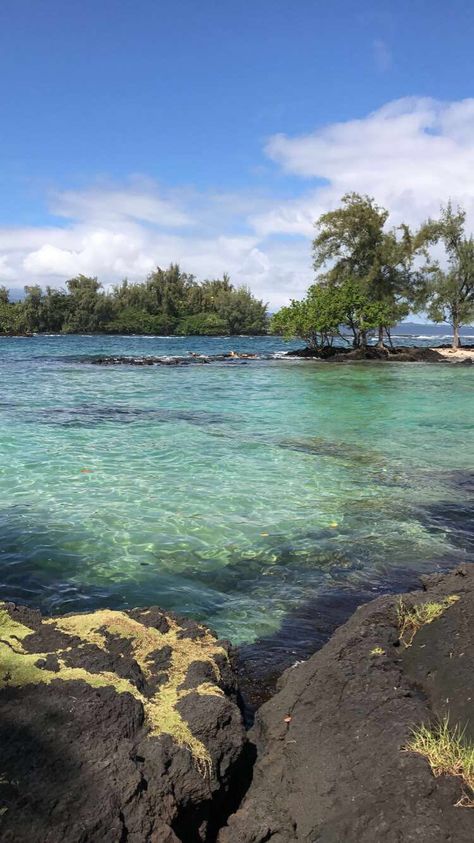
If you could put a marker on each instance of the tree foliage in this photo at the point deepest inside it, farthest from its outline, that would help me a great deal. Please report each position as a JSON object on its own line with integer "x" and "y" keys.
{"x": 373, "y": 264}
{"x": 370, "y": 277}
{"x": 330, "y": 311}
{"x": 451, "y": 289}
{"x": 169, "y": 301}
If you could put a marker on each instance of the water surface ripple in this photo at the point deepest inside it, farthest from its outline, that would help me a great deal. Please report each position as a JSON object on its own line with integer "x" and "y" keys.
{"x": 233, "y": 493}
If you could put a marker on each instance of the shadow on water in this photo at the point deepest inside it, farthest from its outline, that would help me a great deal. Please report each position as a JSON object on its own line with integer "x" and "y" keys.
{"x": 321, "y": 446}
{"x": 310, "y": 582}
{"x": 45, "y": 565}
{"x": 308, "y": 626}
{"x": 91, "y": 415}
{"x": 38, "y": 568}
{"x": 452, "y": 517}
{"x": 41, "y": 567}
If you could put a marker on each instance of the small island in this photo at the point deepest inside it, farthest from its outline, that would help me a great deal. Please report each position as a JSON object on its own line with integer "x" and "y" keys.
{"x": 369, "y": 278}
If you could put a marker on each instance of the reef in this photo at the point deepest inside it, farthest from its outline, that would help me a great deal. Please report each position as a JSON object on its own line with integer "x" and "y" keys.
{"x": 191, "y": 358}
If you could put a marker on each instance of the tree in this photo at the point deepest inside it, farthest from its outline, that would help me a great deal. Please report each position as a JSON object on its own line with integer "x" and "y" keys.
{"x": 353, "y": 246}
{"x": 168, "y": 301}
{"x": 361, "y": 315}
{"x": 451, "y": 291}
{"x": 243, "y": 313}
{"x": 326, "y": 310}
{"x": 32, "y": 308}
{"x": 203, "y": 324}
{"x": 10, "y": 314}
{"x": 56, "y": 306}
{"x": 90, "y": 308}
{"x": 164, "y": 292}
{"x": 315, "y": 319}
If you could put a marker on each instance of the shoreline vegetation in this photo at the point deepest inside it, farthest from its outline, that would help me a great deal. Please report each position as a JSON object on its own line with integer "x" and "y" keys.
{"x": 369, "y": 278}
{"x": 169, "y": 302}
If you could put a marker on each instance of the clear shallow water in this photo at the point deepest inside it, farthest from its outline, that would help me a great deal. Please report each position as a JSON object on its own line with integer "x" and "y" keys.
{"x": 233, "y": 492}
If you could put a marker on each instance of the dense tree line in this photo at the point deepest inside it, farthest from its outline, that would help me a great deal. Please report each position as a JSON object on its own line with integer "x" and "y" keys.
{"x": 168, "y": 302}
{"x": 370, "y": 277}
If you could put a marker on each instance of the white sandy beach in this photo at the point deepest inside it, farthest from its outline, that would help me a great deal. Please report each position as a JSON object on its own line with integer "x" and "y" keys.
{"x": 456, "y": 354}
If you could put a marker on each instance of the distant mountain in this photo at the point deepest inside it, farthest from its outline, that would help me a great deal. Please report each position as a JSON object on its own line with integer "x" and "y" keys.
{"x": 429, "y": 329}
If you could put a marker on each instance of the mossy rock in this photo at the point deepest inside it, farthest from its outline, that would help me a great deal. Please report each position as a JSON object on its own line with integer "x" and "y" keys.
{"x": 112, "y": 724}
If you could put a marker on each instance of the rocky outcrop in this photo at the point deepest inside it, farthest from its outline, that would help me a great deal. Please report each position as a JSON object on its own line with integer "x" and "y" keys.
{"x": 123, "y": 726}
{"x": 332, "y": 763}
{"x": 191, "y": 358}
{"x": 399, "y": 354}
{"x": 115, "y": 726}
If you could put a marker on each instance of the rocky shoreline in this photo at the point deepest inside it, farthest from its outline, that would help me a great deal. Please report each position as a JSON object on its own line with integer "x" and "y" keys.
{"x": 332, "y": 761}
{"x": 116, "y": 726}
{"x": 333, "y": 354}
{"x": 127, "y": 726}
{"x": 397, "y": 354}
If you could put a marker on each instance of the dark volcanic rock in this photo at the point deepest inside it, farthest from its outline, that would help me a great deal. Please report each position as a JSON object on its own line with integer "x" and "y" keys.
{"x": 401, "y": 354}
{"x": 331, "y": 765}
{"x": 115, "y": 726}
{"x": 120, "y": 360}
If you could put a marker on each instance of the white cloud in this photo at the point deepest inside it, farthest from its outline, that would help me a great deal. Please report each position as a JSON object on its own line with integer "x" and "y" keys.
{"x": 411, "y": 155}
{"x": 139, "y": 202}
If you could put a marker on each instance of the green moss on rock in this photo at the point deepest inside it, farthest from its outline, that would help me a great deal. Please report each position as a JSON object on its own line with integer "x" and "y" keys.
{"x": 22, "y": 663}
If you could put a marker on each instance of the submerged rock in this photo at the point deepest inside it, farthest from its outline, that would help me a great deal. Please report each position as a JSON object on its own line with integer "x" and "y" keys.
{"x": 191, "y": 358}
{"x": 115, "y": 726}
{"x": 332, "y": 761}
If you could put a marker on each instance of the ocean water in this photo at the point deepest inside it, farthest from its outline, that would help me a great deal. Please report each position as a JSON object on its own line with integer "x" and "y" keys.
{"x": 233, "y": 492}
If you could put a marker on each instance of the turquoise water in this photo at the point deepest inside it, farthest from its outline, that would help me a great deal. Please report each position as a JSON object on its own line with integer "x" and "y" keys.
{"x": 231, "y": 492}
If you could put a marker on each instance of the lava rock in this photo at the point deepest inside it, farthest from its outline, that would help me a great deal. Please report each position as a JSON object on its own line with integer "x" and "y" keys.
{"x": 115, "y": 726}
{"x": 399, "y": 354}
{"x": 332, "y": 761}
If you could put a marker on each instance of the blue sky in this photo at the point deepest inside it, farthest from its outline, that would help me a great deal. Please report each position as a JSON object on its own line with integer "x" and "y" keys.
{"x": 213, "y": 133}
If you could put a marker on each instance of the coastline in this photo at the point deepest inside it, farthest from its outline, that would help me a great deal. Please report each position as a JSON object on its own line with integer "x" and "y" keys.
{"x": 333, "y": 354}
{"x": 397, "y": 354}
{"x": 149, "y": 702}
{"x": 337, "y": 751}
{"x": 453, "y": 355}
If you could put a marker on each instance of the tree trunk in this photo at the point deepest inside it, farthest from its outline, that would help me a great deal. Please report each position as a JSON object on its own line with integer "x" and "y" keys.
{"x": 355, "y": 334}
{"x": 363, "y": 339}
{"x": 380, "y": 341}
{"x": 456, "y": 337}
